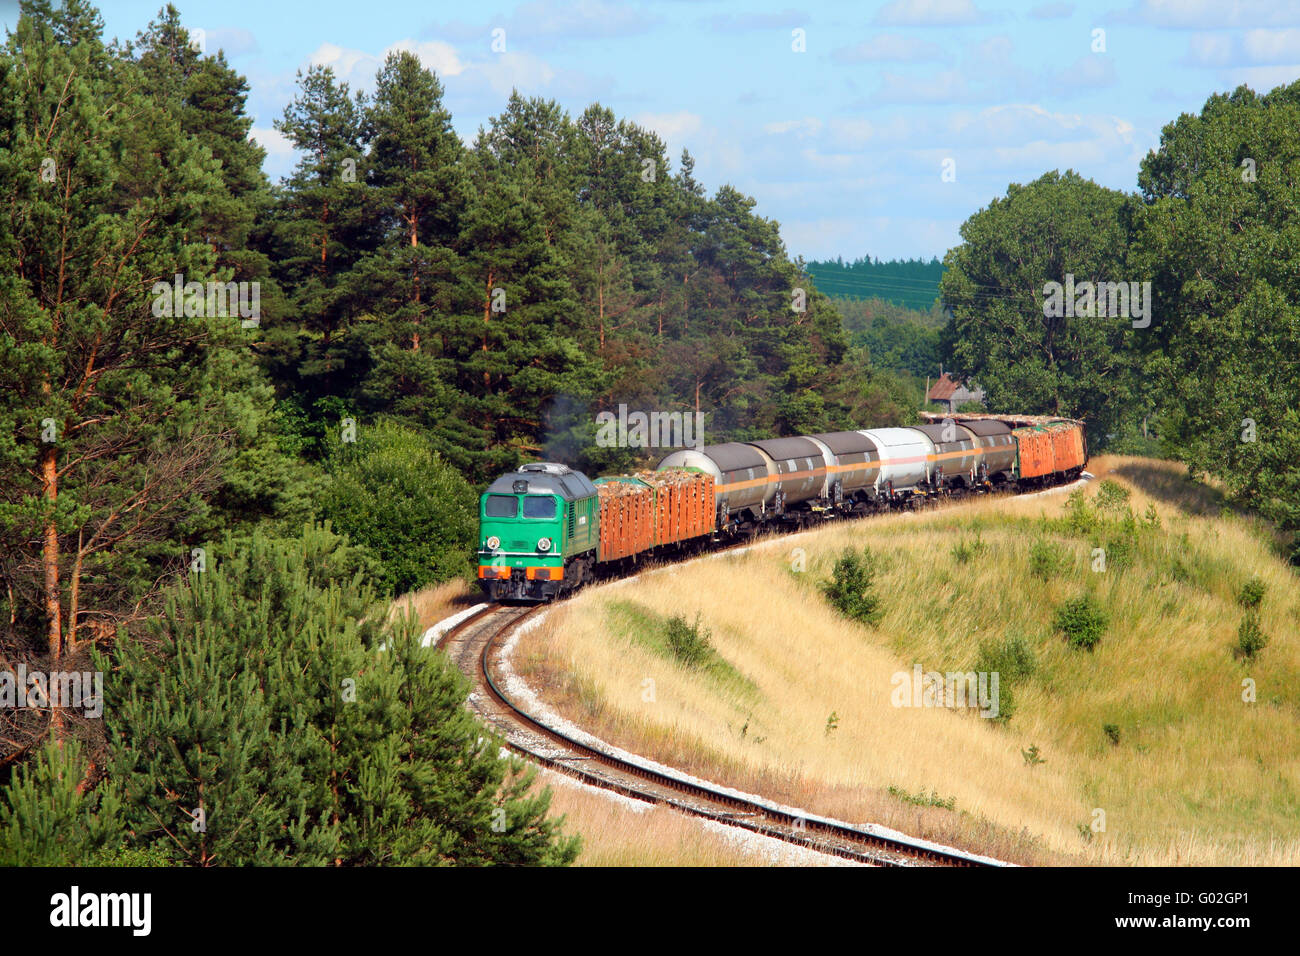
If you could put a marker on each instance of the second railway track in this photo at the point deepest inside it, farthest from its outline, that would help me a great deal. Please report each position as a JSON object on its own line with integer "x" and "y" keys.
{"x": 475, "y": 643}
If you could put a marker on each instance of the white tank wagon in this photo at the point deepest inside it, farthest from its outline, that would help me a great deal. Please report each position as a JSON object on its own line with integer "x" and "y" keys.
{"x": 905, "y": 457}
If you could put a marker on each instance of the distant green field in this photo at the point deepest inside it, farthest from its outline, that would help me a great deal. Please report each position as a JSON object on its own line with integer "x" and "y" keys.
{"x": 913, "y": 283}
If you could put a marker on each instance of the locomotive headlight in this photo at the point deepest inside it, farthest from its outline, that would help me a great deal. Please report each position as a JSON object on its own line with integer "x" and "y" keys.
{"x": 544, "y": 544}
{"x": 493, "y": 543}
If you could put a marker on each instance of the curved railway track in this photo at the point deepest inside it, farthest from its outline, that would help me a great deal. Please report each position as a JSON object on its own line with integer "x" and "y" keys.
{"x": 475, "y": 644}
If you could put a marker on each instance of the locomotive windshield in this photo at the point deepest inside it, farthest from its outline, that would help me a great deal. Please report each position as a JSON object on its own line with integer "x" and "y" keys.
{"x": 539, "y": 506}
{"x": 500, "y": 506}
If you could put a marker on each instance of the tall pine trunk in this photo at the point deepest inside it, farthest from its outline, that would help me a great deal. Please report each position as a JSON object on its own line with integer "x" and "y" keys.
{"x": 415, "y": 241}
{"x": 50, "y": 566}
{"x": 487, "y": 320}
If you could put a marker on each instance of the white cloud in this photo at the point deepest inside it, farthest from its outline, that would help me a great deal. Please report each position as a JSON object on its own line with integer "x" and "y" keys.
{"x": 472, "y": 85}
{"x": 1261, "y": 79}
{"x": 1272, "y": 46}
{"x": 947, "y": 86}
{"x": 853, "y": 236}
{"x": 890, "y": 47}
{"x": 1248, "y": 48}
{"x": 995, "y": 50}
{"x": 547, "y": 24}
{"x": 233, "y": 40}
{"x": 856, "y": 132}
{"x": 348, "y": 65}
{"x": 1052, "y": 11}
{"x": 671, "y": 125}
{"x": 929, "y": 13}
{"x": 440, "y": 57}
{"x": 1209, "y": 49}
{"x": 746, "y": 22}
{"x": 1089, "y": 72}
{"x": 358, "y": 68}
{"x": 1012, "y": 123}
{"x": 808, "y": 126}
{"x": 275, "y": 143}
{"x": 521, "y": 71}
{"x": 1209, "y": 14}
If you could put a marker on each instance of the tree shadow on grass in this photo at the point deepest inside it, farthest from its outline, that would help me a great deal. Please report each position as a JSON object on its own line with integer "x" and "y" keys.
{"x": 1168, "y": 482}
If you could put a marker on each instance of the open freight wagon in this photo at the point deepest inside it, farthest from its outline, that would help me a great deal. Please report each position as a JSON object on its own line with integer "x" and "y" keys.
{"x": 1052, "y": 447}
{"x": 652, "y": 509}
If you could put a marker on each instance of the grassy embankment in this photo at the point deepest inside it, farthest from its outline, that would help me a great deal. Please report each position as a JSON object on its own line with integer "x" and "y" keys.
{"x": 793, "y": 700}
{"x": 613, "y": 833}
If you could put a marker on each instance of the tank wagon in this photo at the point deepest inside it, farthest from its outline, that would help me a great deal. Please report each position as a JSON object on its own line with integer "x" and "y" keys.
{"x": 546, "y": 529}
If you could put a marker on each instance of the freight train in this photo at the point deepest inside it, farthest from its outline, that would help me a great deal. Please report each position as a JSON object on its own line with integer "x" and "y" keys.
{"x": 546, "y": 529}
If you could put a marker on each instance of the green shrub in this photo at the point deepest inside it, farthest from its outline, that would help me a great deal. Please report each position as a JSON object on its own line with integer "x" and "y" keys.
{"x": 1112, "y": 496}
{"x": 690, "y": 643}
{"x": 1120, "y": 551}
{"x": 1080, "y": 518}
{"x": 1012, "y": 659}
{"x": 1250, "y": 639}
{"x": 1252, "y": 593}
{"x": 1082, "y": 621}
{"x": 410, "y": 510}
{"x": 922, "y": 799}
{"x": 966, "y": 549}
{"x": 850, "y": 584}
{"x": 153, "y": 855}
{"x": 1112, "y": 732}
{"x": 1047, "y": 558}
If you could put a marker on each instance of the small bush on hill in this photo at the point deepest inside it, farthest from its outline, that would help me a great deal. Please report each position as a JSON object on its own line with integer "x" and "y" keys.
{"x": 1082, "y": 621}
{"x": 965, "y": 549}
{"x": 849, "y": 587}
{"x": 1047, "y": 558}
{"x": 1250, "y": 639}
{"x": 1252, "y": 593}
{"x": 690, "y": 643}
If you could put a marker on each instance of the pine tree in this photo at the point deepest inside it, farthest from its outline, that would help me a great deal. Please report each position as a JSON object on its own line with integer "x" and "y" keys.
{"x": 308, "y": 730}
{"x": 47, "y": 818}
{"x": 414, "y": 281}
{"x": 118, "y": 416}
{"x": 320, "y": 231}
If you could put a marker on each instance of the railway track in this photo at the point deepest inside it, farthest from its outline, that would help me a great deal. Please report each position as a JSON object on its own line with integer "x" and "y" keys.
{"x": 475, "y": 644}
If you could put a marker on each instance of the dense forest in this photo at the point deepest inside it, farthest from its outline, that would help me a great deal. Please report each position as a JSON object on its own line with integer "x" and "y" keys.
{"x": 212, "y": 504}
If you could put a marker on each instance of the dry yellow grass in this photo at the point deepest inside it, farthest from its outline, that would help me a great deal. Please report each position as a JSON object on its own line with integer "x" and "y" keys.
{"x": 615, "y": 833}
{"x": 432, "y": 604}
{"x": 1198, "y": 776}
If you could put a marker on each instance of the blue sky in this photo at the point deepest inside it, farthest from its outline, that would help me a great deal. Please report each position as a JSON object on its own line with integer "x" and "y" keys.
{"x": 844, "y": 143}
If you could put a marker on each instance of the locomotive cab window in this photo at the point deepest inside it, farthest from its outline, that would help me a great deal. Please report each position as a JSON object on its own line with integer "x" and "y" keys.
{"x": 539, "y": 506}
{"x": 501, "y": 506}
